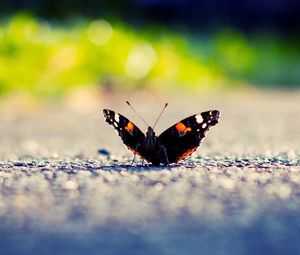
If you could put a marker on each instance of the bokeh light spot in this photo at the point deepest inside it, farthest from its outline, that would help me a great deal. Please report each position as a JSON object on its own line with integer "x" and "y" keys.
{"x": 99, "y": 32}
{"x": 140, "y": 61}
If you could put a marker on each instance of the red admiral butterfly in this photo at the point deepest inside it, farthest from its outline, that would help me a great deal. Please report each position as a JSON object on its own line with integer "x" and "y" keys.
{"x": 174, "y": 144}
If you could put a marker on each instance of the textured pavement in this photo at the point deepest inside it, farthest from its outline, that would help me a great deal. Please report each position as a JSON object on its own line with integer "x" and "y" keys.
{"x": 238, "y": 194}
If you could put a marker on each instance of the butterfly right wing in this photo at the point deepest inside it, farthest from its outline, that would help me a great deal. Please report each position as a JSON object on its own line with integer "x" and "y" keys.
{"x": 130, "y": 134}
{"x": 183, "y": 138}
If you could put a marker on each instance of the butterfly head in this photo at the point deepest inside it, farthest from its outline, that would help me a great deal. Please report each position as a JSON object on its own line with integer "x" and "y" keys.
{"x": 150, "y": 131}
{"x": 150, "y": 138}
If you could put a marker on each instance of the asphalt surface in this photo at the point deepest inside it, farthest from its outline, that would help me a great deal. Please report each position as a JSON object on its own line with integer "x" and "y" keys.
{"x": 67, "y": 185}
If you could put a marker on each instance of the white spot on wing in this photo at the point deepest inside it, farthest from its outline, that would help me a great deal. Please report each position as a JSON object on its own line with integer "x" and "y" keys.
{"x": 199, "y": 118}
{"x": 117, "y": 117}
{"x": 204, "y": 125}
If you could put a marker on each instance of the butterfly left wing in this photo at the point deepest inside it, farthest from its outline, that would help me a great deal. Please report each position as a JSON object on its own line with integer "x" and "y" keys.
{"x": 130, "y": 134}
{"x": 183, "y": 138}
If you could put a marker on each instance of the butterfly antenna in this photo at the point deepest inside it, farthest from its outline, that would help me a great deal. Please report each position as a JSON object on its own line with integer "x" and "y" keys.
{"x": 160, "y": 114}
{"x": 137, "y": 114}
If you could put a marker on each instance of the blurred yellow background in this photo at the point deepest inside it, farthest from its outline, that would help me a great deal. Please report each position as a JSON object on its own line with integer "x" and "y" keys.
{"x": 46, "y": 58}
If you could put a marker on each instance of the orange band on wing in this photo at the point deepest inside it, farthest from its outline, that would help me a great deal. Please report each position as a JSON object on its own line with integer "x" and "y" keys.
{"x": 181, "y": 127}
{"x": 136, "y": 153}
{"x": 129, "y": 127}
{"x": 186, "y": 154}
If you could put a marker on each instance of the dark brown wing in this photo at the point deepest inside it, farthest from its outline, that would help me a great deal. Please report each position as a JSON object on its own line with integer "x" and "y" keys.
{"x": 130, "y": 134}
{"x": 183, "y": 138}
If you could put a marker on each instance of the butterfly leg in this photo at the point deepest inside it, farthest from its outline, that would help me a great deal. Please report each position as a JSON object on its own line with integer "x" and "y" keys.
{"x": 133, "y": 159}
{"x": 134, "y": 153}
{"x": 163, "y": 149}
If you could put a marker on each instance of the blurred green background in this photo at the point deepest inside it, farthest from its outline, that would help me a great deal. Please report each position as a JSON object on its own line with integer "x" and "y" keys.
{"x": 47, "y": 49}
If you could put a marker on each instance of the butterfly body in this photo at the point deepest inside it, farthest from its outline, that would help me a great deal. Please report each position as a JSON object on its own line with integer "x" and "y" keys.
{"x": 174, "y": 144}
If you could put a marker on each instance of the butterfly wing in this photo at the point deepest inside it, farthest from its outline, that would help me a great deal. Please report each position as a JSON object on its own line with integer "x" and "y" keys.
{"x": 130, "y": 134}
{"x": 183, "y": 138}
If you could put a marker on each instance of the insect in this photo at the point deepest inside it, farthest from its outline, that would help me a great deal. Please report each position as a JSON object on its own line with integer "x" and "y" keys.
{"x": 174, "y": 144}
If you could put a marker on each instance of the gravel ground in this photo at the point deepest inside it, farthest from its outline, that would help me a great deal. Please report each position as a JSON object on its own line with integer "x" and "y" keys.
{"x": 238, "y": 194}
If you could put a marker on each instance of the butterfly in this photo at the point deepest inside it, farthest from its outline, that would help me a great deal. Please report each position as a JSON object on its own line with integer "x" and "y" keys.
{"x": 174, "y": 144}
